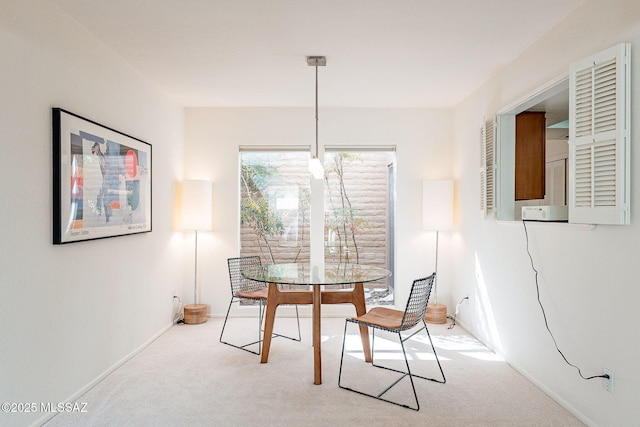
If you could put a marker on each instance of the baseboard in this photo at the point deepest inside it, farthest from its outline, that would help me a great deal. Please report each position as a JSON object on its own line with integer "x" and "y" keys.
{"x": 75, "y": 396}
{"x": 554, "y": 396}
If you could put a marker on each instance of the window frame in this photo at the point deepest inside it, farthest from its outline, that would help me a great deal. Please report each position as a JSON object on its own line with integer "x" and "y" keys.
{"x": 504, "y": 131}
{"x": 391, "y": 214}
{"x": 318, "y": 205}
{"x": 505, "y": 147}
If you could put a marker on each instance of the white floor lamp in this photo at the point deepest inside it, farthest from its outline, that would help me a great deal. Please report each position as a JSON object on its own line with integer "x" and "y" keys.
{"x": 437, "y": 215}
{"x": 196, "y": 216}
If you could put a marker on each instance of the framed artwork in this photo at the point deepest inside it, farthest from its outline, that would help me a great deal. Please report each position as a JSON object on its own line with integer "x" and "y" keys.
{"x": 101, "y": 181}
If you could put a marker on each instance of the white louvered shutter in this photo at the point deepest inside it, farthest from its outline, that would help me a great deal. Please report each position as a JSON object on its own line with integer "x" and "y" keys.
{"x": 483, "y": 170}
{"x": 490, "y": 163}
{"x": 487, "y": 188}
{"x": 599, "y": 130}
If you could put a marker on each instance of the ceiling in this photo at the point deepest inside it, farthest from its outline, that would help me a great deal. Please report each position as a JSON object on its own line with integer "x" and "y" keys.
{"x": 380, "y": 53}
{"x": 556, "y": 108}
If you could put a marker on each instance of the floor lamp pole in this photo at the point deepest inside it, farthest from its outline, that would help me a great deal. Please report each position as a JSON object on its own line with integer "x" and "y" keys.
{"x": 435, "y": 280}
{"x": 437, "y": 215}
{"x": 195, "y": 313}
{"x": 195, "y": 271}
{"x": 436, "y": 313}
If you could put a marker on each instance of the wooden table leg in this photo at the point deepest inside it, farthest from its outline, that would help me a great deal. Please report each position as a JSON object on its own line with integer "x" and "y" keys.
{"x": 270, "y": 314}
{"x": 361, "y": 308}
{"x": 355, "y": 297}
{"x": 317, "y": 353}
{"x": 276, "y": 297}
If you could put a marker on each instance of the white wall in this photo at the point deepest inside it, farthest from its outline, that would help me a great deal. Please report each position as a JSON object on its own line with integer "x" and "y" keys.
{"x": 69, "y": 313}
{"x": 213, "y": 136}
{"x": 588, "y": 278}
{"x": 66, "y": 319}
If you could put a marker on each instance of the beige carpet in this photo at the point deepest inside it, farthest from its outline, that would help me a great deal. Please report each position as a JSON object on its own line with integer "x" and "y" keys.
{"x": 187, "y": 377}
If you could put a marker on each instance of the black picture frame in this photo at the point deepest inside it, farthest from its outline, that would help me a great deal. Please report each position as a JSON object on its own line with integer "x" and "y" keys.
{"x": 101, "y": 181}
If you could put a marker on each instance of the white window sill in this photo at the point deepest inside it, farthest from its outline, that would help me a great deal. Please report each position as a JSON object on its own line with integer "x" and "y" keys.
{"x": 550, "y": 224}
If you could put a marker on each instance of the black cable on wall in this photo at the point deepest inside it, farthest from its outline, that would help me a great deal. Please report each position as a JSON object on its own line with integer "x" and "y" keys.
{"x": 544, "y": 314}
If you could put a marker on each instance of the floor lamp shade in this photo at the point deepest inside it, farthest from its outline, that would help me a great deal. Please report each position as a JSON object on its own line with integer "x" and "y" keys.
{"x": 437, "y": 205}
{"x": 196, "y": 205}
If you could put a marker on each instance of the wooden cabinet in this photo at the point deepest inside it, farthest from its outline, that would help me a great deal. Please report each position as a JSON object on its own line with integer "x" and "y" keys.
{"x": 530, "y": 155}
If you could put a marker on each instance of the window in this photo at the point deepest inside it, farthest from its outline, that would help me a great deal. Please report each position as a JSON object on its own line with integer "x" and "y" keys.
{"x": 359, "y": 209}
{"x": 274, "y": 205}
{"x": 359, "y": 212}
{"x": 590, "y": 173}
{"x": 530, "y": 139}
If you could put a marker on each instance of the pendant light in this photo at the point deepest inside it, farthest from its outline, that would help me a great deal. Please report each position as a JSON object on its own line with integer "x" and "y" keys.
{"x": 315, "y": 166}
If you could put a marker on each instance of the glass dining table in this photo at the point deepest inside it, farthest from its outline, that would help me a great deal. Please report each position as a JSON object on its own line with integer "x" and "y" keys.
{"x": 315, "y": 277}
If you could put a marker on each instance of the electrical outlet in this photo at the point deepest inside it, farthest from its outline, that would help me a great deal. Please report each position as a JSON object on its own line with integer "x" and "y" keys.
{"x": 608, "y": 383}
{"x": 459, "y": 304}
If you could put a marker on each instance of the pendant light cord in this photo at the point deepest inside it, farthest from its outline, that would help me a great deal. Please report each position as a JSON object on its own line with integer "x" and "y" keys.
{"x": 316, "y": 109}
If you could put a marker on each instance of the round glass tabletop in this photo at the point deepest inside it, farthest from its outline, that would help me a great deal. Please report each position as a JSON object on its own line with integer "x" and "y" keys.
{"x": 309, "y": 274}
